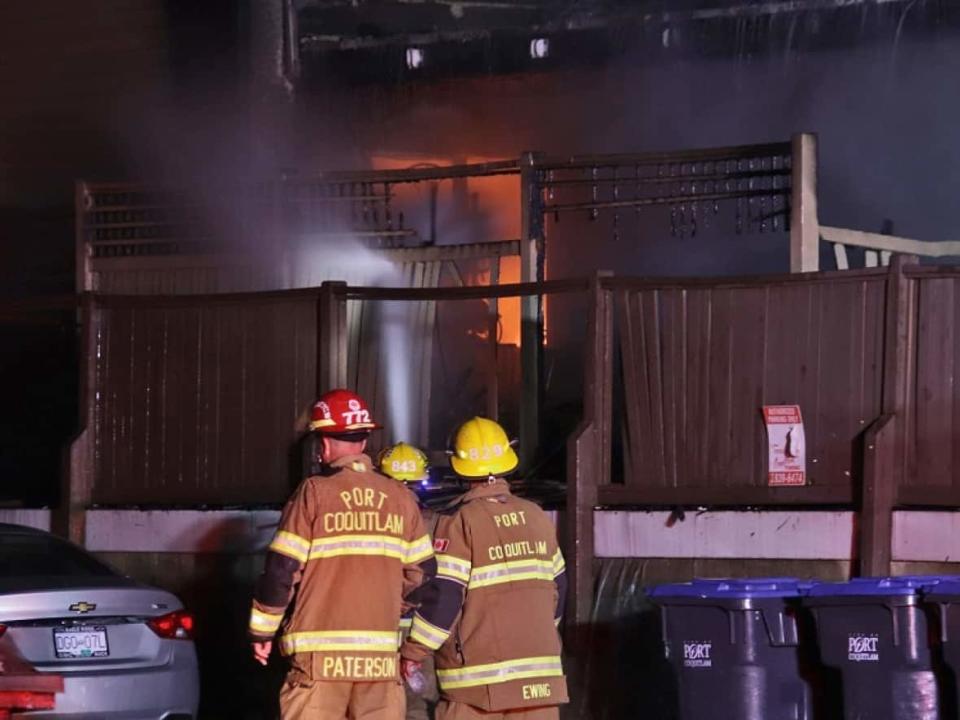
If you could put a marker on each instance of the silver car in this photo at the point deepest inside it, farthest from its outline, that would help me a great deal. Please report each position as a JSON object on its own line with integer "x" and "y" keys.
{"x": 125, "y": 650}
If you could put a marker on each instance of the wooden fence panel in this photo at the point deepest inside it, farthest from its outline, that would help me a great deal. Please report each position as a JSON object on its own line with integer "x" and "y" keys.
{"x": 700, "y": 361}
{"x": 198, "y": 400}
{"x": 933, "y": 392}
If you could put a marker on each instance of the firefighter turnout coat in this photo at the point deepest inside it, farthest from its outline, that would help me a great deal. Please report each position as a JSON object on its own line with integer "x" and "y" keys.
{"x": 350, "y": 546}
{"x": 491, "y": 612}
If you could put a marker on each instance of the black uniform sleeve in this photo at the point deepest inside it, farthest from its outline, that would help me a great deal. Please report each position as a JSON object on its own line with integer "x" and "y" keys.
{"x": 442, "y": 598}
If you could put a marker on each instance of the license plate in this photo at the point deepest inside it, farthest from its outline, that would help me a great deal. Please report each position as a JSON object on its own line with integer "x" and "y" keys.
{"x": 83, "y": 641}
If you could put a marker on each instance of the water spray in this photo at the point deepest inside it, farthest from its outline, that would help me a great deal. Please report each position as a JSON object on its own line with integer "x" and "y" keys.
{"x": 354, "y": 263}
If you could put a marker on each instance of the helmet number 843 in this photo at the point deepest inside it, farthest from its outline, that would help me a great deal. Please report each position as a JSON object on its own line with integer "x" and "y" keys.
{"x": 403, "y": 466}
{"x": 485, "y": 452}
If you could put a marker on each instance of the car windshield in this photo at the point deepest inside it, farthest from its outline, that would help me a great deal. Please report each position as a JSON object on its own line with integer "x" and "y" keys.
{"x": 23, "y": 555}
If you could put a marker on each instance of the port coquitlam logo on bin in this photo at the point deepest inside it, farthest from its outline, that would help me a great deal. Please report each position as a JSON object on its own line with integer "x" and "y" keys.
{"x": 863, "y": 648}
{"x": 696, "y": 654}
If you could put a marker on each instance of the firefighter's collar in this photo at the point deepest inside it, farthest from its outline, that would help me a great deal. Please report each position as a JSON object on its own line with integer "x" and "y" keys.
{"x": 498, "y": 486}
{"x": 358, "y": 463}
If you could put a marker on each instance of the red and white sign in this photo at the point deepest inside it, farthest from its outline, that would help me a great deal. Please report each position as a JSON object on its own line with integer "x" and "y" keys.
{"x": 786, "y": 445}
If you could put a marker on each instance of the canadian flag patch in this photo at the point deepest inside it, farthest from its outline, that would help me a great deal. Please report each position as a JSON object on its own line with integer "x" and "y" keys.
{"x": 441, "y": 544}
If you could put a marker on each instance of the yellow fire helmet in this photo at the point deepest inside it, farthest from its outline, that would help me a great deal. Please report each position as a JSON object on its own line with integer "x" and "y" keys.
{"x": 403, "y": 462}
{"x": 482, "y": 449}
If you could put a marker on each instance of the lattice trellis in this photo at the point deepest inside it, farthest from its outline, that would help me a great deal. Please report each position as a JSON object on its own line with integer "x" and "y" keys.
{"x": 125, "y": 220}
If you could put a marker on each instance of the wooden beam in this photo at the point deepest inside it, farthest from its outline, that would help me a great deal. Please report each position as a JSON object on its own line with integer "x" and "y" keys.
{"x": 588, "y": 452}
{"x": 840, "y": 253}
{"x": 431, "y": 279}
{"x": 470, "y": 292}
{"x": 531, "y": 323}
{"x": 626, "y": 496}
{"x": 899, "y": 348}
{"x": 332, "y": 337}
{"x": 804, "y": 225}
{"x": 827, "y": 277}
{"x": 78, "y": 473}
{"x": 730, "y": 152}
{"x": 416, "y": 174}
{"x": 84, "y": 281}
{"x": 890, "y": 243}
{"x": 884, "y": 462}
{"x": 879, "y": 493}
{"x": 924, "y": 496}
{"x": 493, "y": 370}
{"x": 348, "y": 292}
{"x": 470, "y": 251}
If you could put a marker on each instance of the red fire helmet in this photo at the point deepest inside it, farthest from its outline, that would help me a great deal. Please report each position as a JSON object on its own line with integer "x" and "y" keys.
{"x": 341, "y": 411}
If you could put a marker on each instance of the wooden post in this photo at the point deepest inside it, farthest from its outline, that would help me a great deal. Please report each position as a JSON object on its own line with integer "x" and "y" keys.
{"x": 899, "y": 348}
{"x": 431, "y": 279}
{"x": 84, "y": 278}
{"x": 531, "y": 315}
{"x": 588, "y": 451}
{"x": 493, "y": 373}
{"x": 332, "y": 337}
{"x": 884, "y": 463}
{"x": 840, "y": 253}
{"x": 804, "y": 225}
{"x": 291, "y": 43}
{"x": 879, "y": 496}
{"x": 79, "y": 468}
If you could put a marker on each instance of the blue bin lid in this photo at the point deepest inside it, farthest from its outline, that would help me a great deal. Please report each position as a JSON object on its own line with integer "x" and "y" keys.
{"x": 907, "y": 585}
{"x": 732, "y": 588}
{"x": 942, "y": 584}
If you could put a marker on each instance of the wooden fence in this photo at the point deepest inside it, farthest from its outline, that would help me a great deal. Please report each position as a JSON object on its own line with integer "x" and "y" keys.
{"x": 196, "y": 400}
{"x": 871, "y": 357}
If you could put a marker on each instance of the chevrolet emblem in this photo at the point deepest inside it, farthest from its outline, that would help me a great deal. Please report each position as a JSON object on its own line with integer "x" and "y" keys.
{"x": 83, "y": 607}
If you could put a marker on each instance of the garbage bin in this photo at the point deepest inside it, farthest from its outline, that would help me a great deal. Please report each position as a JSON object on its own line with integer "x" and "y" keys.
{"x": 874, "y": 631}
{"x": 734, "y": 647}
{"x": 942, "y": 595}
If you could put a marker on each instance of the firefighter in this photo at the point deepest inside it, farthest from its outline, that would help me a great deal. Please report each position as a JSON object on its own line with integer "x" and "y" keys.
{"x": 350, "y": 546}
{"x": 403, "y": 462}
{"x": 408, "y": 464}
{"x": 491, "y": 612}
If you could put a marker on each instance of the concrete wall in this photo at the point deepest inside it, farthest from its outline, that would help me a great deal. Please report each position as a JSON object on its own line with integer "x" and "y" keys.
{"x": 211, "y": 560}
{"x": 39, "y": 519}
{"x": 760, "y": 535}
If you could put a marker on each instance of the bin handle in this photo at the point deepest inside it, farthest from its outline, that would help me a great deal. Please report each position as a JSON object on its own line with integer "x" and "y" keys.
{"x": 896, "y": 626}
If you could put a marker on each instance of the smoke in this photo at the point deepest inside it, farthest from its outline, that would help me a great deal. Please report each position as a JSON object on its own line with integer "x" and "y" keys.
{"x": 193, "y": 139}
{"x": 395, "y": 359}
{"x": 869, "y": 80}
{"x": 317, "y": 260}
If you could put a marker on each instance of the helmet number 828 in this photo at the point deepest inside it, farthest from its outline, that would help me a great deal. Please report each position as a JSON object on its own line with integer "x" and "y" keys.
{"x": 486, "y": 452}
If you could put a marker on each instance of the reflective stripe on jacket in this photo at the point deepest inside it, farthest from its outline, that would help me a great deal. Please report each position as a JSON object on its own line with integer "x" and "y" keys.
{"x": 350, "y": 546}
{"x": 490, "y": 613}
